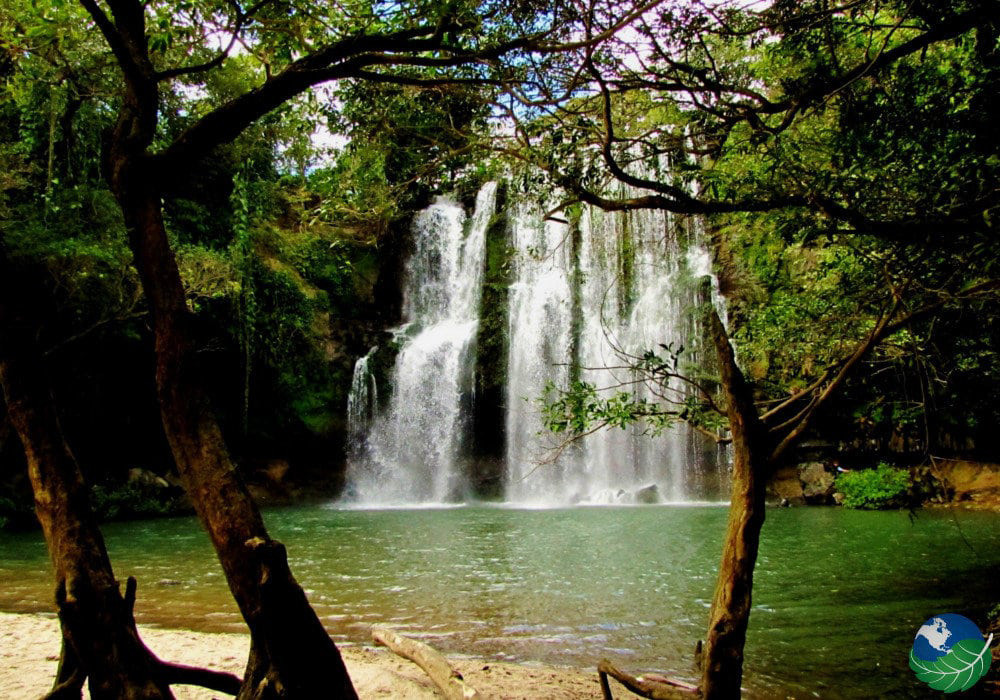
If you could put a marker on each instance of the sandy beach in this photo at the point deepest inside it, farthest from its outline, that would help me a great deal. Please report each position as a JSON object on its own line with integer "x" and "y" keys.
{"x": 29, "y": 652}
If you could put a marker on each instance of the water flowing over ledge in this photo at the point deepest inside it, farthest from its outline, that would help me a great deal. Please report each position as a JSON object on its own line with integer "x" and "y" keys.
{"x": 412, "y": 453}
{"x": 582, "y": 296}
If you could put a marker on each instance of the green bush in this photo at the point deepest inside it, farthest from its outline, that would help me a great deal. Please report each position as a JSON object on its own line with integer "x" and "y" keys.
{"x": 874, "y": 489}
{"x": 128, "y": 501}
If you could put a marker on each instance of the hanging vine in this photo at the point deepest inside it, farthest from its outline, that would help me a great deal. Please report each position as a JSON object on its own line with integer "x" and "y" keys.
{"x": 242, "y": 252}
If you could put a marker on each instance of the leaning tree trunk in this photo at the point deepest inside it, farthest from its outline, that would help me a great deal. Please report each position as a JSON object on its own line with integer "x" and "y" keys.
{"x": 100, "y": 641}
{"x": 292, "y": 656}
{"x": 722, "y": 669}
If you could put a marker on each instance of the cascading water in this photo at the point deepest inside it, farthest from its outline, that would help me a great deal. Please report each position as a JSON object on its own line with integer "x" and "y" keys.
{"x": 635, "y": 280}
{"x": 584, "y": 298}
{"x": 413, "y": 451}
{"x": 362, "y": 402}
{"x": 540, "y": 325}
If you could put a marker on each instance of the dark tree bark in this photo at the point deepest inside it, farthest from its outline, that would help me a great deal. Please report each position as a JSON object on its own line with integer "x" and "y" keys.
{"x": 291, "y": 656}
{"x": 722, "y": 661}
{"x": 100, "y": 640}
{"x": 291, "y": 653}
{"x": 759, "y": 442}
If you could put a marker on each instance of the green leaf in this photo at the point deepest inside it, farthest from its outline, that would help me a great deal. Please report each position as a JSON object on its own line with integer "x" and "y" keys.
{"x": 959, "y": 669}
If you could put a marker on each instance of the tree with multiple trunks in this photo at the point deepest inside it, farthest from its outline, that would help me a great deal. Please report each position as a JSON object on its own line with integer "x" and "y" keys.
{"x": 795, "y": 118}
{"x": 858, "y": 132}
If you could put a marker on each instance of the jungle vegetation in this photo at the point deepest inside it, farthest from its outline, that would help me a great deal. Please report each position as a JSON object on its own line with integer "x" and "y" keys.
{"x": 187, "y": 265}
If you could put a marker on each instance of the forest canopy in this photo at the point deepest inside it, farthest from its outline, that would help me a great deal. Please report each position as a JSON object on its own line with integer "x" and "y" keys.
{"x": 205, "y": 208}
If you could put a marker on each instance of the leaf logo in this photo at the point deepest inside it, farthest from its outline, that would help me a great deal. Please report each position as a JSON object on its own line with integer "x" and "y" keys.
{"x": 949, "y": 653}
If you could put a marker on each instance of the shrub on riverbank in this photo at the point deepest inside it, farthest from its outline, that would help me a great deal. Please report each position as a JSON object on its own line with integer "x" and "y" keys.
{"x": 874, "y": 489}
{"x": 134, "y": 501}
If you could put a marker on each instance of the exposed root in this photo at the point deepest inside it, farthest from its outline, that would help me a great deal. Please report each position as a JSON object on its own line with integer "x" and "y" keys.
{"x": 160, "y": 674}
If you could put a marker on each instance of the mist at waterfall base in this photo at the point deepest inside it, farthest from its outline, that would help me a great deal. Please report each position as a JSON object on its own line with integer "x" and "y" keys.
{"x": 583, "y": 297}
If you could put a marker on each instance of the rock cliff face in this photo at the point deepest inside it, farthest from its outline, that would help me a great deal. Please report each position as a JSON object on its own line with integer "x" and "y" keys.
{"x": 968, "y": 482}
{"x": 809, "y": 483}
{"x": 489, "y": 437}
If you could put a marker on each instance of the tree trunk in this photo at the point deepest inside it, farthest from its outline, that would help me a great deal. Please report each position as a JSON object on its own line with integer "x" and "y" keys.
{"x": 100, "y": 641}
{"x": 292, "y": 656}
{"x": 722, "y": 663}
{"x": 100, "y": 638}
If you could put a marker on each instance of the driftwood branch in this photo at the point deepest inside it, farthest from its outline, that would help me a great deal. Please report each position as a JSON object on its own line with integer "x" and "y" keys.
{"x": 649, "y": 685}
{"x": 446, "y": 678}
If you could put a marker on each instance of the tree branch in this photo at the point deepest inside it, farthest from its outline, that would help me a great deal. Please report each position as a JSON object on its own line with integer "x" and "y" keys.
{"x": 111, "y": 35}
{"x": 884, "y": 328}
{"x": 345, "y": 58}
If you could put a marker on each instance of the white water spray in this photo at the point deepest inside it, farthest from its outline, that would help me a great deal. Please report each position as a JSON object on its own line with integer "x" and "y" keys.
{"x": 414, "y": 451}
{"x": 636, "y": 275}
{"x": 597, "y": 296}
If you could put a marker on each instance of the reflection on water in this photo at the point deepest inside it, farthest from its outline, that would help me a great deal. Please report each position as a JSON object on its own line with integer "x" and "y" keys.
{"x": 838, "y": 598}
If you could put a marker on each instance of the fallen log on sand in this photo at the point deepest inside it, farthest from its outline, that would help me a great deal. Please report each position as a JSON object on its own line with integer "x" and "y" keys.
{"x": 653, "y": 686}
{"x": 446, "y": 678}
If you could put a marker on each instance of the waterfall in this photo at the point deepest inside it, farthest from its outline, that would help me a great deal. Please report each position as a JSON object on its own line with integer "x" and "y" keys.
{"x": 628, "y": 286}
{"x": 586, "y": 295}
{"x": 540, "y": 329}
{"x": 413, "y": 451}
{"x": 362, "y": 401}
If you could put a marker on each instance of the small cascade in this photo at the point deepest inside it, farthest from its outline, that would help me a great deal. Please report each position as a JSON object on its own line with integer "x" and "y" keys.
{"x": 362, "y": 402}
{"x": 413, "y": 450}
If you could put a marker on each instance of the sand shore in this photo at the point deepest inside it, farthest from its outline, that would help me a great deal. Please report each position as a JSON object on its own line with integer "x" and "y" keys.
{"x": 29, "y": 652}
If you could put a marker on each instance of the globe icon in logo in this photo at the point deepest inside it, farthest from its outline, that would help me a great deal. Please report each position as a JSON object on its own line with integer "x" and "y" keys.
{"x": 949, "y": 653}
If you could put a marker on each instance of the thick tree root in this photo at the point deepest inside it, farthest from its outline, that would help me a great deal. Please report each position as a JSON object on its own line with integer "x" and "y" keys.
{"x": 72, "y": 672}
{"x": 647, "y": 686}
{"x": 446, "y": 678}
{"x": 69, "y": 687}
{"x": 100, "y": 643}
{"x": 69, "y": 677}
{"x": 179, "y": 674}
{"x": 291, "y": 654}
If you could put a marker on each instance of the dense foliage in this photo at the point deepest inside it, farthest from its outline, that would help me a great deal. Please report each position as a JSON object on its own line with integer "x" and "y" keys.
{"x": 874, "y": 489}
{"x": 843, "y": 158}
{"x": 847, "y": 169}
{"x": 287, "y": 242}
